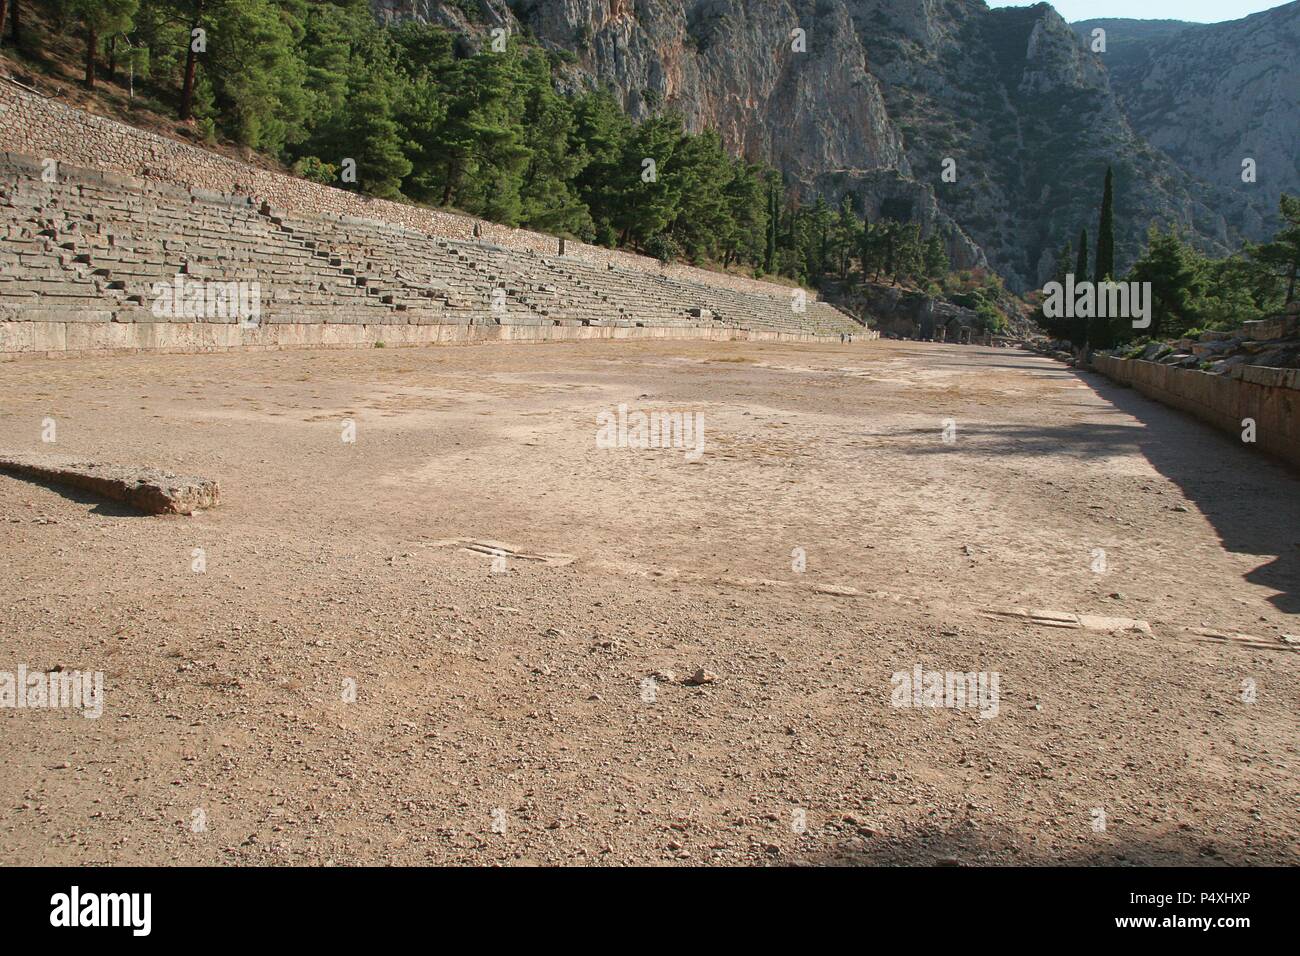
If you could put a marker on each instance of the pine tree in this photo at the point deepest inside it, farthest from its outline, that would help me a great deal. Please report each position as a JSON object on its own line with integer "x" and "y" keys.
{"x": 375, "y": 142}
{"x": 888, "y": 249}
{"x": 846, "y": 232}
{"x": 1058, "y": 328}
{"x": 1280, "y": 257}
{"x": 601, "y": 130}
{"x": 101, "y": 19}
{"x": 746, "y": 228}
{"x": 548, "y": 200}
{"x": 646, "y": 204}
{"x": 936, "y": 258}
{"x": 908, "y": 252}
{"x": 700, "y": 171}
{"x": 1177, "y": 282}
{"x": 1105, "y": 264}
{"x": 872, "y": 248}
{"x": 478, "y": 147}
{"x": 193, "y": 13}
{"x": 248, "y": 82}
{"x": 821, "y": 219}
{"x": 485, "y": 130}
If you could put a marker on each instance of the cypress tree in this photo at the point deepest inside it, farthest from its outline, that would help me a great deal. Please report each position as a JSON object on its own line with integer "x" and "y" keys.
{"x": 1083, "y": 329}
{"x": 772, "y": 215}
{"x": 1105, "y": 263}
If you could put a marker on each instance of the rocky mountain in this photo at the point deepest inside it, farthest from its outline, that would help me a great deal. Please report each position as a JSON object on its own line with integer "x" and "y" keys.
{"x": 1211, "y": 95}
{"x": 883, "y": 94}
{"x": 1126, "y": 38}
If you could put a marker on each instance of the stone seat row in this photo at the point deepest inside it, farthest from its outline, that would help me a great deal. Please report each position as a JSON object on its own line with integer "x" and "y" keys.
{"x": 102, "y": 251}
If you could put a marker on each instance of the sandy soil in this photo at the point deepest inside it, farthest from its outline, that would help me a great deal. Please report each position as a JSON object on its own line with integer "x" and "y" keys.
{"x": 505, "y": 716}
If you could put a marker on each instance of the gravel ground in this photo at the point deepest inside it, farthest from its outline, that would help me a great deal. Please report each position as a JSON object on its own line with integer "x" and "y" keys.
{"x": 473, "y": 636}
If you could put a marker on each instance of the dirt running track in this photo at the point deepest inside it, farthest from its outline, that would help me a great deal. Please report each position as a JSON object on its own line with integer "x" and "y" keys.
{"x": 505, "y": 716}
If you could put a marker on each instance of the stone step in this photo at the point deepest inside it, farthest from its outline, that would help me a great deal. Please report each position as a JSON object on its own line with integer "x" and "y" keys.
{"x": 89, "y": 243}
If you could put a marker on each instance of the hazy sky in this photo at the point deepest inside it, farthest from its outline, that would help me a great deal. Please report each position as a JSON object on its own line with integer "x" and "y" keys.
{"x": 1201, "y": 11}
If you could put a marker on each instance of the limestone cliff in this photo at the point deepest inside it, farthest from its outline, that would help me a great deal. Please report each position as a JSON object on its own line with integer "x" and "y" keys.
{"x": 1211, "y": 95}
{"x": 885, "y": 92}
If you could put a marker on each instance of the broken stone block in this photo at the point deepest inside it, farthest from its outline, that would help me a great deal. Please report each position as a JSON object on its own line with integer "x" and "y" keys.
{"x": 150, "y": 490}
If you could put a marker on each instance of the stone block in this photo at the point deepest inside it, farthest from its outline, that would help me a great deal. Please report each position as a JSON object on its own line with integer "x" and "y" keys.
{"x": 146, "y": 489}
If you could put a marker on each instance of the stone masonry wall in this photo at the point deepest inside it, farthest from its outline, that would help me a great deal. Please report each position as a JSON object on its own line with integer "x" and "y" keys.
{"x": 38, "y": 126}
{"x": 1269, "y": 396}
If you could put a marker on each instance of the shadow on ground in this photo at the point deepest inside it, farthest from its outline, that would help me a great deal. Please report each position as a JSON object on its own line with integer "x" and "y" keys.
{"x": 996, "y": 846}
{"x": 1255, "y": 510}
{"x": 96, "y": 504}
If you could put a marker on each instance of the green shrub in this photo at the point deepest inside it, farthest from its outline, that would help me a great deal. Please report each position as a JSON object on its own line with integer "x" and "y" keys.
{"x": 315, "y": 170}
{"x": 663, "y": 247}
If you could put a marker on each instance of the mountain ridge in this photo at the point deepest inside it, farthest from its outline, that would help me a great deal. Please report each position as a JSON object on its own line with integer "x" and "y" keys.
{"x": 884, "y": 94}
{"x": 1193, "y": 94}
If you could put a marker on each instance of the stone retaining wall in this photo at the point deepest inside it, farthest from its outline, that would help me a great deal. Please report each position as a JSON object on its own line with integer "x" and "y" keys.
{"x": 41, "y": 127}
{"x": 52, "y": 339}
{"x": 1269, "y": 396}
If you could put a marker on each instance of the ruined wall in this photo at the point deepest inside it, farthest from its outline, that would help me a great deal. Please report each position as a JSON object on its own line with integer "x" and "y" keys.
{"x": 1269, "y": 396}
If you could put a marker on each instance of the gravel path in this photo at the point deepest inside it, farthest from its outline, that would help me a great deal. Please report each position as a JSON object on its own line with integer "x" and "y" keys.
{"x": 473, "y": 636}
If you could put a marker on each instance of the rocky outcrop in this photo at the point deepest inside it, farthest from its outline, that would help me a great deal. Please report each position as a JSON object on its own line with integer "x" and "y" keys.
{"x": 1211, "y": 95}
{"x": 1027, "y": 115}
{"x": 886, "y": 91}
{"x": 902, "y": 313}
{"x": 1273, "y": 343}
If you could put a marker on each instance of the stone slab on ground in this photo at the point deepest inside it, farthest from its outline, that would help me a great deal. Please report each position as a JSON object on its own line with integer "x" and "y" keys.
{"x": 150, "y": 490}
{"x": 1229, "y": 636}
{"x": 1066, "y": 619}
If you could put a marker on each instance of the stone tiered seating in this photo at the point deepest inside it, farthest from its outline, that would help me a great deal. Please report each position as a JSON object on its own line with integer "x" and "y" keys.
{"x": 114, "y": 248}
{"x": 93, "y": 249}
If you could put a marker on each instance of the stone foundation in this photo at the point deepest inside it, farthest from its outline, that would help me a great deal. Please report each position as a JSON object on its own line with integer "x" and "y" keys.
{"x": 149, "y": 490}
{"x": 51, "y": 339}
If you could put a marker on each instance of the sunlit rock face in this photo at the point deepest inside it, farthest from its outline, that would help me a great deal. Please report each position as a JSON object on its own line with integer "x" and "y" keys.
{"x": 873, "y": 96}
{"x": 1214, "y": 95}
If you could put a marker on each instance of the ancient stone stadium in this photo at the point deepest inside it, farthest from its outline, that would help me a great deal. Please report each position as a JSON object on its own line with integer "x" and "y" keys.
{"x": 106, "y": 259}
{"x": 653, "y": 456}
